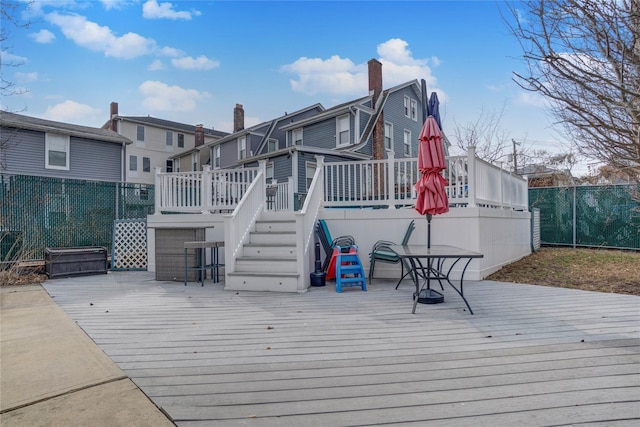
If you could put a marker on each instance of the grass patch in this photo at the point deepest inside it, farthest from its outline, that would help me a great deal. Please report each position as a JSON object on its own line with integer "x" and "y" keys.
{"x": 589, "y": 269}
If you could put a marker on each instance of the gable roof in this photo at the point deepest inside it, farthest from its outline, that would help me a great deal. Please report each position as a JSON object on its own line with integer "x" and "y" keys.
{"x": 20, "y": 121}
{"x": 263, "y": 129}
{"x": 162, "y": 123}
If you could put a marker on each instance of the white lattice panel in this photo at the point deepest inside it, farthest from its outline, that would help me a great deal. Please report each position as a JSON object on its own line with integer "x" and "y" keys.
{"x": 129, "y": 245}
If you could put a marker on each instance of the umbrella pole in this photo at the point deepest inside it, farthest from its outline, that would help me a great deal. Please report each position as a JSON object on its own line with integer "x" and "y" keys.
{"x": 428, "y": 295}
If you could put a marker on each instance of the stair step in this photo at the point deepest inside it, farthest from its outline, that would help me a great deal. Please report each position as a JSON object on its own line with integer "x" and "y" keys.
{"x": 352, "y": 279}
{"x": 269, "y": 250}
{"x": 266, "y": 264}
{"x": 277, "y": 226}
{"x": 261, "y": 281}
{"x": 288, "y": 237}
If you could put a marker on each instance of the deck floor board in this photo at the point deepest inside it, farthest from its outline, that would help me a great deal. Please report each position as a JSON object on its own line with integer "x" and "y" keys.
{"x": 529, "y": 355}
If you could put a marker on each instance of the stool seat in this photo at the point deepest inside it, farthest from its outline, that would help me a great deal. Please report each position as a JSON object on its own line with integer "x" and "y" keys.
{"x": 349, "y": 270}
{"x": 202, "y": 266}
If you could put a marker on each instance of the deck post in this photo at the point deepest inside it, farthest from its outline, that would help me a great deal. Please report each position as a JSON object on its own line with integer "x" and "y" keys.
{"x": 471, "y": 176}
{"x": 206, "y": 192}
{"x": 291, "y": 191}
{"x": 157, "y": 191}
{"x": 390, "y": 180}
{"x": 262, "y": 164}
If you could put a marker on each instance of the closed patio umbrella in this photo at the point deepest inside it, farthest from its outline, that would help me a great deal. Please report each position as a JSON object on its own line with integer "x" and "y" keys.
{"x": 431, "y": 187}
{"x": 431, "y": 190}
{"x": 434, "y": 108}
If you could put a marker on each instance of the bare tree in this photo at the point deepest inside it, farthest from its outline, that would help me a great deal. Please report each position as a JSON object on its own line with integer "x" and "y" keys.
{"x": 492, "y": 142}
{"x": 11, "y": 12}
{"x": 583, "y": 57}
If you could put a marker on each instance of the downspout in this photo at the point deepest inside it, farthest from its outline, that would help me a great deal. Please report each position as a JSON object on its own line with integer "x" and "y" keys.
{"x": 294, "y": 173}
{"x": 122, "y": 177}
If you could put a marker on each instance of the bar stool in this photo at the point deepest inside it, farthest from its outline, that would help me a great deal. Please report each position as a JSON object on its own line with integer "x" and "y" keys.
{"x": 201, "y": 256}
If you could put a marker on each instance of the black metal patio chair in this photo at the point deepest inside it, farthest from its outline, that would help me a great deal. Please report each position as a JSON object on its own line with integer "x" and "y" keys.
{"x": 382, "y": 253}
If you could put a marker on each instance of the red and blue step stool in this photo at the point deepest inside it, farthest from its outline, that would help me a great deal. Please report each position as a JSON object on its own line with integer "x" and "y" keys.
{"x": 348, "y": 268}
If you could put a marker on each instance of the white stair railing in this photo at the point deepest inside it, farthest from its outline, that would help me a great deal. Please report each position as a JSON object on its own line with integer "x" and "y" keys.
{"x": 305, "y": 223}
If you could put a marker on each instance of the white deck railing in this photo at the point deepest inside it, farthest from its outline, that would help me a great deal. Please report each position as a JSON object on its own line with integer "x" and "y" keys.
{"x": 206, "y": 191}
{"x": 239, "y": 223}
{"x": 383, "y": 183}
{"x": 390, "y": 183}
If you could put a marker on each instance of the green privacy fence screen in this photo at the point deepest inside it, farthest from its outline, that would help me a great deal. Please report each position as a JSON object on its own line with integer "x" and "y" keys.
{"x": 39, "y": 212}
{"x": 600, "y": 216}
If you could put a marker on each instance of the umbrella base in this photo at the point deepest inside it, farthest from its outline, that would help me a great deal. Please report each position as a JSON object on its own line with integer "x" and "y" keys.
{"x": 429, "y": 296}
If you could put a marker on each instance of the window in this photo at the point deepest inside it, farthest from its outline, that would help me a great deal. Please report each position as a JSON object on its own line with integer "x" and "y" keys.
{"x": 407, "y": 143}
{"x": 169, "y": 166}
{"x": 144, "y": 192}
{"x": 414, "y": 110}
{"x": 296, "y": 136}
{"x": 146, "y": 164}
{"x": 269, "y": 172}
{"x": 242, "y": 147}
{"x": 216, "y": 157}
{"x": 388, "y": 136}
{"x": 272, "y": 145}
{"x": 194, "y": 161}
{"x": 56, "y": 151}
{"x": 181, "y": 140}
{"x": 133, "y": 166}
{"x": 343, "y": 130}
{"x": 140, "y": 133}
{"x": 169, "y": 140}
{"x": 407, "y": 103}
{"x": 310, "y": 170}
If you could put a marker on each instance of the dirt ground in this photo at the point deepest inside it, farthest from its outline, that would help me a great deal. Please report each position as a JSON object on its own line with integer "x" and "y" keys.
{"x": 589, "y": 269}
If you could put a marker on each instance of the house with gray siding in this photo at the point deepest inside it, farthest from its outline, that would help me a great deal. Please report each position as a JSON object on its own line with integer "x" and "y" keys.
{"x": 169, "y": 145}
{"x": 38, "y": 147}
{"x": 385, "y": 122}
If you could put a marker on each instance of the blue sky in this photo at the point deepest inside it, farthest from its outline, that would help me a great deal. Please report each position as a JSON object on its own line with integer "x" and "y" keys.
{"x": 192, "y": 61}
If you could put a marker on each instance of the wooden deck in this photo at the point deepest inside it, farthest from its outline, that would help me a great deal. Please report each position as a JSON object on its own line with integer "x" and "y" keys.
{"x": 530, "y": 356}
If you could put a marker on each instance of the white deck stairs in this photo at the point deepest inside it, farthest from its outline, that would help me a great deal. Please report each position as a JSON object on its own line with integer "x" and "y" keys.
{"x": 268, "y": 260}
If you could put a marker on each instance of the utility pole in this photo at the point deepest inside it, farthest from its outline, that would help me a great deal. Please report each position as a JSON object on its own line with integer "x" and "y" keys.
{"x": 515, "y": 156}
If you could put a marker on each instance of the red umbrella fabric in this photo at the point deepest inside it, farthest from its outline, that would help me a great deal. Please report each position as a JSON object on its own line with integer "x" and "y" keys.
{"x": 431, "y": 187}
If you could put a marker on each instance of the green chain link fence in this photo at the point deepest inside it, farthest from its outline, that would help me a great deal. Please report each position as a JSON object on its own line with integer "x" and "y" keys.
{"x": 597, "y": 216}
{"x": 39, "y": 212}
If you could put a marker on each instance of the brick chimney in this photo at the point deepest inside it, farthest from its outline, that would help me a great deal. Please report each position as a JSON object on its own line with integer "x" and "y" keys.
{"x": 113, "y": 112}
{"x": 375, "y": 86}
{"x": 375, "y": 78}
{"x": 199, "y": 134}
{"x": 238, "y": 118}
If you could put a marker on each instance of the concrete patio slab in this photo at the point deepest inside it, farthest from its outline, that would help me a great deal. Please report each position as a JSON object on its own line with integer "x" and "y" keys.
{"x": 52, "y": 373}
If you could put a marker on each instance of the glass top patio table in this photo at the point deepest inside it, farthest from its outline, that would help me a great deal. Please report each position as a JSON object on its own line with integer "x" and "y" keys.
{"x": 435, "y": 268}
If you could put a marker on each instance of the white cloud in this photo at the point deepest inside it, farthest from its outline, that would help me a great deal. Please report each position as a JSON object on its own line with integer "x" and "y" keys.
{"x": 170, "y": 51}
{"x": 199, "y": 63}
{"x": 115, "y": 4}
{"x": 101, "y": 39}
{"x": 531, "y": 99}
{"x": 156, "y": 66}
{"x": 72, "y": 112}
{"x": 334, "y": 75}
{"x": 399, "y": 65}
{"x": 341, "y": 76}
{"x": 11, "y": 59}
{"x": 26, "y": 77}
{"x": 159, "y": 96}
{"x": 151, "y": 9}
{"x": 43, "y": 36}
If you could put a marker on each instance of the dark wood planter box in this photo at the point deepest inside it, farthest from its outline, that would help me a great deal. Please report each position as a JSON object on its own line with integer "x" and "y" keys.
{"x": 75, "y": 261}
